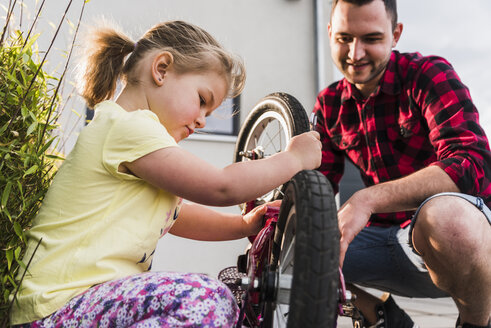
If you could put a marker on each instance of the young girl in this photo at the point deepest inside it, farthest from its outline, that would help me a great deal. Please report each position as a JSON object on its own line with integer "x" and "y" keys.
{"x": 120, "y": 189}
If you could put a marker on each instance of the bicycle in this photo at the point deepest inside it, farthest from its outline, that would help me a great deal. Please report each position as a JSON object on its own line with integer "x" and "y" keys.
{"x": 290, "y": 276}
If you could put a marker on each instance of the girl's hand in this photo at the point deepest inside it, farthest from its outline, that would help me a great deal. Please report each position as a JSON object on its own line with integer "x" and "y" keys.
{"x": 253, "y": 221}
{"x": 306, "y": 148}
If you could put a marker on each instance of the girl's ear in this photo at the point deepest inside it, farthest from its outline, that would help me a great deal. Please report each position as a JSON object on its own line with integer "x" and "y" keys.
{"x": 160, "y": 65}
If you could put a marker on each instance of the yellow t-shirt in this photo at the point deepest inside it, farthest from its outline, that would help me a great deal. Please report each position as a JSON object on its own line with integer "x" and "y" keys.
{"x": 96, "y": 224}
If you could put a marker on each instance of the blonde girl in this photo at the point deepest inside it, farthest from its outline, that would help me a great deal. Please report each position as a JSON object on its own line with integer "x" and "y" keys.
{"x": 121, "y": 188}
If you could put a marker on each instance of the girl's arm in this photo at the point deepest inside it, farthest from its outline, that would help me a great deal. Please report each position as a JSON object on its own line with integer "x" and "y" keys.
{"x": 203, "y": 223}
{"x": 183, "y": 174}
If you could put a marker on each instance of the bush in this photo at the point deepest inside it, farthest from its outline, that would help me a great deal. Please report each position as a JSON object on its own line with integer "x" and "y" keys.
{"x": 29, "y": 109}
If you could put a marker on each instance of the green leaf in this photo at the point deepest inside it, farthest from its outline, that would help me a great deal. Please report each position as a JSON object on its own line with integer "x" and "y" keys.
{"x": 45, "y": 147}
{"x": 17, "y": 253}
{"x": 31, "y": 41}
{"x": 31, "y": 170}
{"x": 10, "y": 256}
{"x": 50, "y": 156}
{"x": 5, "y": 211}
{"x": 24, "y": 111}
{"x": 19, "y": 186}
{"x": 22, "y": 264}
{"x": 32, "y": 127}
{"x": 12, "y": 281}
{"x": 18, "y": 231}
{"x": 3, "y": 128}
{"x": 6, "y": 194}
{"x": 25, "y": 57}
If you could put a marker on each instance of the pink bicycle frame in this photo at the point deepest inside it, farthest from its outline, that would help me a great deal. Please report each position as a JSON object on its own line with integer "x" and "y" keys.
{"x": 259, "y": 255}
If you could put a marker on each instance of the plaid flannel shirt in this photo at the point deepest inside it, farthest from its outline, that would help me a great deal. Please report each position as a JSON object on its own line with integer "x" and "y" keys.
{"x": 421, "y": 114}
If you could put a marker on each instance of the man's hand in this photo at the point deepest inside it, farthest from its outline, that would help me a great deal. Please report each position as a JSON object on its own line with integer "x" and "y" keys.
{"x": 352, "y": 218}
{"x": 403, "y": 194}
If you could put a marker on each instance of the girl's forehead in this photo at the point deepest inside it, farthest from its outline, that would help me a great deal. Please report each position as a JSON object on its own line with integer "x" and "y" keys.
{"x": 216, "y": 82}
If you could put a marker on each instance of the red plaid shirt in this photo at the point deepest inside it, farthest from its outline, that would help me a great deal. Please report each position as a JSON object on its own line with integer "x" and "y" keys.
{"x": 421, "y": 114}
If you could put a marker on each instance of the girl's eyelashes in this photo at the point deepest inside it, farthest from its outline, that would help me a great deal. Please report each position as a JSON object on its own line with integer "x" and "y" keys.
{"x": 202, "y": 101}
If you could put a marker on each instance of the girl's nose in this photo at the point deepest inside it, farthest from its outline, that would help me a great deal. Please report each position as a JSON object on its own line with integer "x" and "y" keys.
{"x": 201, "y": 121}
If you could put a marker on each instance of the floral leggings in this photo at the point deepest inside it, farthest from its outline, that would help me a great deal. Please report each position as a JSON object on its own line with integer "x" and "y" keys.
{"x": 151, "y": 299}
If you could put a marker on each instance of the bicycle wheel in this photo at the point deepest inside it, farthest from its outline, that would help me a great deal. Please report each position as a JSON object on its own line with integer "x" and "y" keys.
{"x": 268, "y": 128}
{"x": 305, "y": 257}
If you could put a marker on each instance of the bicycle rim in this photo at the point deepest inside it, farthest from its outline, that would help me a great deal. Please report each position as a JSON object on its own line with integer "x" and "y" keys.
{"x": 268, "y": 128}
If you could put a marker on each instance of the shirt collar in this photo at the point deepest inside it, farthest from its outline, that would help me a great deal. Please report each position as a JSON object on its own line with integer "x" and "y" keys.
{"x": 349, "y": 91}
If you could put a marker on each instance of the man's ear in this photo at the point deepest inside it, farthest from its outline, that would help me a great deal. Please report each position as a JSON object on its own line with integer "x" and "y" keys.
{"x": 160, "y": 65}
{"x": 397, "y": 34}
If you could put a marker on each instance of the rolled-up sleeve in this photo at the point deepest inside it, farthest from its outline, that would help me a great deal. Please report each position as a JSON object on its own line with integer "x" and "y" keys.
{"x": 461, "y": 145}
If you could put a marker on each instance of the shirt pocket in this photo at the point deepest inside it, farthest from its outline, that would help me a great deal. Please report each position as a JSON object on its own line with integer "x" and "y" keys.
{"x": 346, "y": 142}
{"x": 409, "y": 145}
{"x": 403, "y": 130}
{"x": 350, "y": 144}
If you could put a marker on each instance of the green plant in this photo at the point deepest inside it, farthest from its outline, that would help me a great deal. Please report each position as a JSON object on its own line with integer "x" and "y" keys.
{"x": 29, "y": 110}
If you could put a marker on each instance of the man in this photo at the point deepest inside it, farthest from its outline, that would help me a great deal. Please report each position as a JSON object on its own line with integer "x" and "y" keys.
{"x": 409, "y": 124}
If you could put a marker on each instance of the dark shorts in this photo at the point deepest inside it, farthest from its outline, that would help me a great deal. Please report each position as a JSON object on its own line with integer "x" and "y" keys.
{"x": 383, "y": 258}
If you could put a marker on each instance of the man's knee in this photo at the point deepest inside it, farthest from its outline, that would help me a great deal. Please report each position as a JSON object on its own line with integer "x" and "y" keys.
{"x": 448, "y": 220}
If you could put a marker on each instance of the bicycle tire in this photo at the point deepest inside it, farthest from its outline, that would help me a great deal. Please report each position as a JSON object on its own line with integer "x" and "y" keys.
{"x": 307, "y": 224}
{"x": 279, "y": 109}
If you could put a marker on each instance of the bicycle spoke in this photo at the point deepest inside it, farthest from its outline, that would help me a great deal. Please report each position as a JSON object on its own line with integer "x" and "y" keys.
{"x": 287, "y": 257}
{"x": 271, "y": 140}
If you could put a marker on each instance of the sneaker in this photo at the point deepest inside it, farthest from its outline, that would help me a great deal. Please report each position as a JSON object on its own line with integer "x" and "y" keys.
{"x": 389, "y": 315}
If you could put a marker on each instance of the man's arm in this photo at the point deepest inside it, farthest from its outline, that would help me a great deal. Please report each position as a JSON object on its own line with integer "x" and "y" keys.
{"x": 460, "y": 143}
{"x": 398, "y": 195}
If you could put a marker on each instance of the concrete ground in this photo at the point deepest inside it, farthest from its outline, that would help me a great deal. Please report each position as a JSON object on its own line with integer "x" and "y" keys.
{"x": 426, "y": 313}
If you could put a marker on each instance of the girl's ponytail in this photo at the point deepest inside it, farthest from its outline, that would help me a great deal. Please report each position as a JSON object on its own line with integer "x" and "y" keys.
{"x": 105, "y": 51}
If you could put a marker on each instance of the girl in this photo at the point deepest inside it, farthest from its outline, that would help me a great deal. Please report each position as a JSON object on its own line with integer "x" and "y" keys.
{"x": 120, "y": 189}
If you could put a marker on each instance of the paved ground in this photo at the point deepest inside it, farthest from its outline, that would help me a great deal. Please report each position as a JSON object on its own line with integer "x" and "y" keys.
{"x": 427, "y": 313}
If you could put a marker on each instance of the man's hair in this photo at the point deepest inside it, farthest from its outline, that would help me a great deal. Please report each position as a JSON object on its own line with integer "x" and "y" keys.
{"x": 390, "y": 7}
